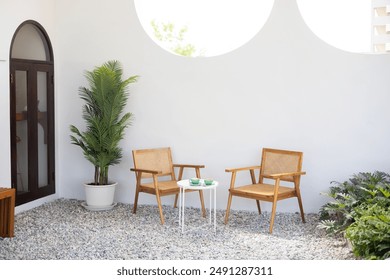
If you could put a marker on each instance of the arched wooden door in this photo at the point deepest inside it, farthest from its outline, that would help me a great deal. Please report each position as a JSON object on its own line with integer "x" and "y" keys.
{"x": 32, "y": 113}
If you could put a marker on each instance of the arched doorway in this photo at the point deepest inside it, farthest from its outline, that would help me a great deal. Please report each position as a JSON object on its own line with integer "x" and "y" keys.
{"x": 32, "y": 113}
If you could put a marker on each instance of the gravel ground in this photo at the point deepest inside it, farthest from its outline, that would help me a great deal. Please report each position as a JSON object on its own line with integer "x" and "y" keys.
{"x": 64, "y": 230}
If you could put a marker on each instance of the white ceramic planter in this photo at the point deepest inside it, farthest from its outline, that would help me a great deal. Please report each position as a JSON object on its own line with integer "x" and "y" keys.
{"x": 99, "y": 197}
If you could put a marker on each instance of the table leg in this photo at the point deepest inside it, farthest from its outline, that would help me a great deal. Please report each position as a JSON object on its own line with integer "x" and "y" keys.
{"x": 215, "y": 210}
{"x": 210, "y": 205}
{"x": 182, "y": 214}
{"x": 180, "y": 206}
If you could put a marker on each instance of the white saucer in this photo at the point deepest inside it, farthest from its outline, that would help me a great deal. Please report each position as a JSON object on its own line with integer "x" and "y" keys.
{"x": 97, "y": 208}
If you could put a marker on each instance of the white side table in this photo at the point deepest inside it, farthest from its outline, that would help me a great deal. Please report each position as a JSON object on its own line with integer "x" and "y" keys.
{"x": 185, "y": 185}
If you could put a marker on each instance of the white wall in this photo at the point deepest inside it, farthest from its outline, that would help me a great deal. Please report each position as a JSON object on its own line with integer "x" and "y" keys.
{"x": 284, "y": 89}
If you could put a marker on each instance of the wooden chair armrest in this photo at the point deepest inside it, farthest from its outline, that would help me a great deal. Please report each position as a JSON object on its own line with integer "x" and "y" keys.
{"x": 189, "y": 165}
{"x": 145, "y": 171}
{"x": 234, "y": 171}
{"x": 280, "y": 175}
{"x": 182, "y": 166}
{"x": 242, "y": 168}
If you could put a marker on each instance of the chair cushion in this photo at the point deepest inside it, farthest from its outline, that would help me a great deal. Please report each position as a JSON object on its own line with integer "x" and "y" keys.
{"x": 165, "y": 187}
{"x": 263, "y": 191}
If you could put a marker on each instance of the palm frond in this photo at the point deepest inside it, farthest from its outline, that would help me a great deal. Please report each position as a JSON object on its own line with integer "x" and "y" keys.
{"x": 105, "y": 100}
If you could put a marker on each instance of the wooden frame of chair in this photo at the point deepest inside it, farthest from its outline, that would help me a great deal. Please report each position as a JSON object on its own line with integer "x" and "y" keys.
{"x": 155, "y": 163}
{"x": 277, "y": 165}
{"x": 7, "y": 212}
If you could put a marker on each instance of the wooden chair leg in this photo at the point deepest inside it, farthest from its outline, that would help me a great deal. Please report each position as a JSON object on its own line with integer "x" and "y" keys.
{"x": 3, "y": 218}
{"x": 202, "y": 204}
{"x": 301, "y": 207}
{"x": 258, "y": 206}
{"x": 272, "y": 216}
{"x": 135, "y": 201}
{"x": 137, "y": 187}
{"x": 228, "y": 208}
{"x": 197, "y": 171}
{"x": 179, "y": 179}
{"x": 176, "y": 197}
{"x": 160, "y": 207}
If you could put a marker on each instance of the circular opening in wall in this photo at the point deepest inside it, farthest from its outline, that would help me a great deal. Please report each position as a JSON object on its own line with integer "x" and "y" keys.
{"x": 357, "y": 26}
{"x": 202, "y": 28}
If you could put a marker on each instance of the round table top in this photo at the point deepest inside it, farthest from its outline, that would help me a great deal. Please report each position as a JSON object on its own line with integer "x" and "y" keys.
{"x": 202, "y": 186}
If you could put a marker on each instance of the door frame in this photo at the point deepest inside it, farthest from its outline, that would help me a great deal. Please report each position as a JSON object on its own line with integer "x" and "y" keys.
{"x": 32, "y": 67}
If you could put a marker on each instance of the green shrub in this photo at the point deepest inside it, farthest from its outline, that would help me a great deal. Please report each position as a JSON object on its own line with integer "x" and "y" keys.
{"x": 360, "y": 209}
{"x": 363, "y": 188}
{"x": 370, "y": 233}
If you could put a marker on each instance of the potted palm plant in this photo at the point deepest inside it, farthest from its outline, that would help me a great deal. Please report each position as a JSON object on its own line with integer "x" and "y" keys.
{"x": 105, "y": 100}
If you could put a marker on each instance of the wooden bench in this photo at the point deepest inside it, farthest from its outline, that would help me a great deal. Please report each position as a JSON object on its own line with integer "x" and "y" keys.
{"x": 7, "y": 212}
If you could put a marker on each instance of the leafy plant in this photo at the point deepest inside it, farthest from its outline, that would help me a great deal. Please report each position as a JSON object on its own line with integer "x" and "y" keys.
{"x": 360, "y": 209}
{"x": 363, "y": 188}
{"x": 105, "y": 101}
{"x": 173, "y": 38}
{"x": 370, "y": 233}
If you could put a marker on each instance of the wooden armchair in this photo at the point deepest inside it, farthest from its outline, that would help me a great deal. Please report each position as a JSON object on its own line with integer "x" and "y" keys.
{"x": 155, "y": 164}
{"x": 276, "y": 166}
